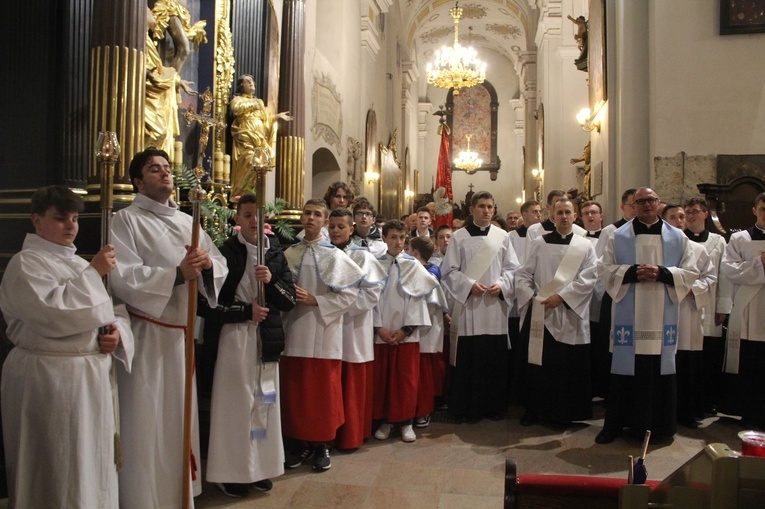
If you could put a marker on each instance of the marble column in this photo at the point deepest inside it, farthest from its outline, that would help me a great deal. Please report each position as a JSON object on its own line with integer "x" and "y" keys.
{"x": 630, "y": 121}
{"x": 526, "y": 67}
{"x": 290, "y": 144}
{"x": 117, "y": 82}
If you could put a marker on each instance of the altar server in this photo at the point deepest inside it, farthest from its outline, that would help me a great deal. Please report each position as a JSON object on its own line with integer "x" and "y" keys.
{"x": 60, "y": 426}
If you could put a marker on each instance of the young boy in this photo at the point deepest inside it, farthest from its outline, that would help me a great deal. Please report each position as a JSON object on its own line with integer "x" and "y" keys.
{"x": 358, "y": 336}
{"x": 432, "y": 361}
{"x": 366, "y": 234}
{"x": 58, "y": 409}
{"x": 399, "y": 316}
{"x": 442, "y": 237}
{"x": 326, "y": 284}
{"x": 245, "y": 420}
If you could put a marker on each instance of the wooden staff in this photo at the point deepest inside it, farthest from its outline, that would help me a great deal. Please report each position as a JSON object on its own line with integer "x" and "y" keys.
{"x": 196, "y": 197}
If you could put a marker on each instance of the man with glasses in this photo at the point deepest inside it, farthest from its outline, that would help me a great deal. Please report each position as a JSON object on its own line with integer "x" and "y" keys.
{"x": 366, "y": 233}
{"x": 720, "y": 302}
{"x": 647, "y": 268}
{"x": 154, "y": 264}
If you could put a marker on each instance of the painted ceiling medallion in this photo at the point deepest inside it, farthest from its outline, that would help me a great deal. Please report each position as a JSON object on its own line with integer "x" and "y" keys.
{"x": 506, "y": 31}
{"x": 474, "y": 11}
{"x": 434, "y": 34}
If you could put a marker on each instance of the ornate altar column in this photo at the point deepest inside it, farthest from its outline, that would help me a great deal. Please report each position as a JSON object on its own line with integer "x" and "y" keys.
{"x": 290, "y": 143}
{"x": 117, "y": 82}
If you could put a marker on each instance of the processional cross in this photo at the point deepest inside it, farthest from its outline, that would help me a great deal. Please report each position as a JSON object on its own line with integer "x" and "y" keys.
{"x": 206, "y": 121}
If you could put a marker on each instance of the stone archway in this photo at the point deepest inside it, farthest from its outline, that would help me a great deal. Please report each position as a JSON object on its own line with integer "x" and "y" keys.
{"x": 325, "y": 170}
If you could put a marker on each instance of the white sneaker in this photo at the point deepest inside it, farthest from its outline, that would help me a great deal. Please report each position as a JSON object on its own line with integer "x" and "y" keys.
{"x": 407, "y": 433}
{"x": 383, "y": 432}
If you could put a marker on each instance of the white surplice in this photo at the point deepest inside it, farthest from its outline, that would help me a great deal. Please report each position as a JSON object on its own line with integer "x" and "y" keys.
{"x": 568, "y": 324}
{"x": 316, "y": 332}
{"x": 742, "y": 266}
{"x": 485, "y": 314}
{"x": 404, "y": 297}
{"x": 358, "y": 321}
{"x": 720, "y": 293}
{"x": 58, "y": 412}
{"x": 537, "y": 230}
{"x": 690, "y": 335}
{"x": 234, "y": 456}
{"x": 149, "y": 240}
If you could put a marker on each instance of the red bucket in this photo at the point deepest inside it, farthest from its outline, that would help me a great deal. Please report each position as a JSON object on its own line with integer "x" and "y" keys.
{"x": 752, "y": 443}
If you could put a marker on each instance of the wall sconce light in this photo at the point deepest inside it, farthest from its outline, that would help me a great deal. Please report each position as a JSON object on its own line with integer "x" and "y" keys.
{"x": 518, "y": 200}
{"x": 539, "y": 177}
{"x": 587, "y": 123}
{"x": 409, "y": 194}
{"x": 372, "y": 176}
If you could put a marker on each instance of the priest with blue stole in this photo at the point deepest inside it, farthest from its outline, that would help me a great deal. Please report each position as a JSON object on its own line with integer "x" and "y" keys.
{"x": 647, "y": 270}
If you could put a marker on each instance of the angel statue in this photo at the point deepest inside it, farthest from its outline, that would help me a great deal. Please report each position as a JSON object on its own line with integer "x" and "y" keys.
{"x": 253, "y": 129}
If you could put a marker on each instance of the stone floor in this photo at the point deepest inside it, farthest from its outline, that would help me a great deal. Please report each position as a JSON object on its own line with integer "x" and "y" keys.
{"x": 462, "y": 466}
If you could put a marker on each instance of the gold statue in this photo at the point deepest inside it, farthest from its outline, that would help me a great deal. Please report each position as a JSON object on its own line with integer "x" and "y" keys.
{"x": 585, "y": 158}
{"x": 173, "y": 16}
{"x": 254, "y": 127}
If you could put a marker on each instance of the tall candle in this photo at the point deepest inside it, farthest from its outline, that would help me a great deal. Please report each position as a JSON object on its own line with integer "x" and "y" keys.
{"x": 226, "y": 168}
{"x": 178, "y": 153}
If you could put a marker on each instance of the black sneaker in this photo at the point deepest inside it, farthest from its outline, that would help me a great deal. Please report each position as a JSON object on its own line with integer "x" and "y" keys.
{"x": 321, "y": 461}
{"x": 297, "y": 457}
{"x": 264, "y": 485}
{"x": 233, "y": 490}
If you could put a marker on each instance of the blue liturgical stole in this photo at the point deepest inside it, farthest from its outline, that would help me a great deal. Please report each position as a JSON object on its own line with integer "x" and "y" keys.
{"x": 623, "y": 361}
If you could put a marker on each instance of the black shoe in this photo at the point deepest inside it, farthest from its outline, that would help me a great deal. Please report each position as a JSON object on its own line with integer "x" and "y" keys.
{"x": 321, "y": 461}
{"x": 606, "y": 437}
{"x": 264, "y": 485}
{"x": 422, "y": 422}
{"x": 528, "y": 418}
{"x": 297, "y": 457}
{"x": 233, "y": 490}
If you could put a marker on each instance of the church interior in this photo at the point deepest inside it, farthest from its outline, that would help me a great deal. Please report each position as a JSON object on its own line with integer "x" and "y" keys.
{"x": 589, "y": 96}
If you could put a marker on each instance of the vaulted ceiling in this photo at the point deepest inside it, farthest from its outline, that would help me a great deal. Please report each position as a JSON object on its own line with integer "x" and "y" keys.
{"x": 504, "y": 26}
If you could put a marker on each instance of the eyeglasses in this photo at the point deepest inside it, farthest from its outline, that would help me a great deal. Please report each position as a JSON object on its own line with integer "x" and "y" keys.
{"x": 591, "y": 213}
{"x": 643, "y": 201}
{"x": 364, "y": 214}
{"x": 693, "y": 212}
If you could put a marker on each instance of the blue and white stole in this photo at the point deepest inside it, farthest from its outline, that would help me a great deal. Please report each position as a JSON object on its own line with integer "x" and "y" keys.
{"x": 624, "y": 334}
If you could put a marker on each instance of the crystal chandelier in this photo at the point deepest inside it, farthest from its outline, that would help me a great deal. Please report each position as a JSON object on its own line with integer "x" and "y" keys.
{"x": 468, "y": 160}
{"x": 456, "y": 67}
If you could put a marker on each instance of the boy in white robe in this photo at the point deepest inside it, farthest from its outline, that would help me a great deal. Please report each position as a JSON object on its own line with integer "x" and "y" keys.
{"x": 245, "y": 419}
{"x": 326, "y": 285}
{"x": 744, "y": 265}
{"x": 555, "y": 285}
{"x": 716, "y": 312}
{"x": 358, "y": 335}
{"x": 154, "y": 263}
{"x": 690, "y": 336}
{"x": 482, "y": 294}
{"x": 366, "y": 234}
{"x": 399, "y": 317}
{"x": 59, "y": 420}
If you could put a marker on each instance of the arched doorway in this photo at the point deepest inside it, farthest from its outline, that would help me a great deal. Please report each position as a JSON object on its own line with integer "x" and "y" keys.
{"x": 325, "y": 171}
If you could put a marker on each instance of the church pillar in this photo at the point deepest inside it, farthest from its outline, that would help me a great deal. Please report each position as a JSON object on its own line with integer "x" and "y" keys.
{"x": 527, "y": 70}
{"x": 290, "y": 144}
{"x": 117, "y": 83}
{"x": 519, "y": 131}
{"x": 631, "y": 92}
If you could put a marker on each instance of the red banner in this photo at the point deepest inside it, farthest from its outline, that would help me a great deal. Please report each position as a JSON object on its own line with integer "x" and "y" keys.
{"x": 443, "y": 196}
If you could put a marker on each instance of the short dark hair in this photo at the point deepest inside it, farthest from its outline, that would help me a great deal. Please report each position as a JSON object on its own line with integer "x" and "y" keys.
{"x": 555, "y": 192}
{"x": 760, "y": 197}
{"x": 332, "y": 189}
{"x": 701, "y": 202}
{"x": 63, "y": 199}
{"x": 135, "y": 170}
{"x": 424, "y": 209}
{"x": 668, "y": 207}
{"x": 499, "y": 219}
{"x": 245, "y": 199}
{"x": 480, "y": 195}
{"x": 342, "y": 213}
{"x": 394, "y": 224}
{"x": 424, "y": 246}
{"x": 626, "y": 195}
{"x": 363, "y": 204}
{"x": 318, "y": 203}
{"x": 592, "y": 202}
{"x": 527, "y": 205}
{"x": 442, "y": 228}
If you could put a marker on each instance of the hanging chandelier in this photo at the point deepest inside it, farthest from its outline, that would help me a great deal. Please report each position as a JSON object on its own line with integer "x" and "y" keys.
{"x": 468, "y": 160}
{"x": 456, "y": 67}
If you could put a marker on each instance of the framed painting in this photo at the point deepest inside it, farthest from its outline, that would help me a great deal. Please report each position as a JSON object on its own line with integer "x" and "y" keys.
{"x": 742, "y": 17}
